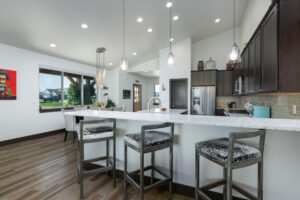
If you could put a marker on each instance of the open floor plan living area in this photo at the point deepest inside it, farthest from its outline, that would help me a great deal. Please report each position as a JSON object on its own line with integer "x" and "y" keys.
{"x": 149, "y": 100}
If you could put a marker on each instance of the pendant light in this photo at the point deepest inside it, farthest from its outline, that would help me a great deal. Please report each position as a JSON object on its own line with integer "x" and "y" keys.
{"x": 124, "y": 62}
{"x": 100, "y": 67}
{"x": 235, "y": 52}
{"x": 171, "y": 60}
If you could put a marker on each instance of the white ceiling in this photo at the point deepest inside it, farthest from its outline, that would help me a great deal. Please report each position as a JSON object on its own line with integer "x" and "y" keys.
{"x": 34, "y": 24}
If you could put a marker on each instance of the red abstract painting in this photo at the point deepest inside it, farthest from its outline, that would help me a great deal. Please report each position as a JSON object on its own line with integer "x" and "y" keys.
{"x": 8, "y": 84}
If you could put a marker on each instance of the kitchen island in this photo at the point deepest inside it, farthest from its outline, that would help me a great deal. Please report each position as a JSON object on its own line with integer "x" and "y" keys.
{"x": 281, "y": 163}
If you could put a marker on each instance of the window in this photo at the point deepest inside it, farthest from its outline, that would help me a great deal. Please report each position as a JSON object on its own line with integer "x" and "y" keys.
{"x": 50, "y": 89}
{"x": 156, "y": 94}
{"x": 65, "y": 90}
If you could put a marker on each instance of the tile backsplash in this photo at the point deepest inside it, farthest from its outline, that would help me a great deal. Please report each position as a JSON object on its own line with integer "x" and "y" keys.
{"x": 281, "y": 104}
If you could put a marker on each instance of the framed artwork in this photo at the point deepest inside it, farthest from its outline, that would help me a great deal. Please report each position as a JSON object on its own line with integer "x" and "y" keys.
{"x": 8, "y": 84}
{"x": 126, "y": 94}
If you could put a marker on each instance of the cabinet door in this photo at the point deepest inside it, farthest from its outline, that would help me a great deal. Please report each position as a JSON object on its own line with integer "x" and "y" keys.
{"x": 245, "y": 66}
{"x": 257, "y": 63}
{"x": 225, "y": 81}
{"x": 251, "y": 78}
{"x": 204, "y": 78}
{"x": 270, "y": 52}
{"x": 289, "y": 45}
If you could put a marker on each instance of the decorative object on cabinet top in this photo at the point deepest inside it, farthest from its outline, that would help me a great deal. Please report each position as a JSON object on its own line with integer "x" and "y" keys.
{"x": 210, "y": 64}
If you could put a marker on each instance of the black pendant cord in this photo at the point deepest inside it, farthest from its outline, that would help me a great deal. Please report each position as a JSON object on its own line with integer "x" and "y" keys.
{"x": 170, "y": 38}
{"x": 234, "y": 22}
{"x": 123, "y": 28}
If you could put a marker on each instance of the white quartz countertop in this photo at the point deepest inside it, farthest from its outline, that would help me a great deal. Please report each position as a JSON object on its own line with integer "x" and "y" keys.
{"x": 168, "y": 111}
{"x": 240, "y": 122}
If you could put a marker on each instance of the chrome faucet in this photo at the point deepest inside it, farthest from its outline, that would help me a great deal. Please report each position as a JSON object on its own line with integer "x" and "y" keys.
{"x": 152, "y": 99}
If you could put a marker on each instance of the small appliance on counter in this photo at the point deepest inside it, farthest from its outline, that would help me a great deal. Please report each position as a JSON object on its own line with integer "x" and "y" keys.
{"x": 261, "y": 112}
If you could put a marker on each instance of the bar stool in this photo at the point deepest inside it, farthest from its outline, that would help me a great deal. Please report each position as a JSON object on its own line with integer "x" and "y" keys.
{"x": 149, "y": 141}
{"x": 231, "y": 154}
{"x": 92, "y": 135}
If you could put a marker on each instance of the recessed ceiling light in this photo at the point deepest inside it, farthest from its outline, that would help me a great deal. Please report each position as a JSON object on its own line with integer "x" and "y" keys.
{"x": 217, "y": 20}
{"x": 175, "y": 17}
{"x": 171, "y": 39}
{"x": 169, "y": 4}
{"x": 146, "y": 71}
{"x": 140, "y": 20}
{"x": 52, "y": 45}
{"x": 149, "y": 30}
{"x": 134, "y": 53}
{"x": 84, "y": 26}
{"x": 110, "y": 64}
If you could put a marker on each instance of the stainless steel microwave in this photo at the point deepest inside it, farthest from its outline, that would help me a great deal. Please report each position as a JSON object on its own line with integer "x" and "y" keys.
{"x": 239, "y": 85}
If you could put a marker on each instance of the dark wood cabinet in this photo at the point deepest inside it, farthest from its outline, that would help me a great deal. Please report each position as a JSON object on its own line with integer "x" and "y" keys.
{"x": 225, "y": 81}
{"x": 289, "y": 45}
{"x": 251, "y": 79}
{"x": 245, "y": 65}
{"x": 257, "y": 62}
{"x": 269, "y": 58}
{"x": 204, "y": 78}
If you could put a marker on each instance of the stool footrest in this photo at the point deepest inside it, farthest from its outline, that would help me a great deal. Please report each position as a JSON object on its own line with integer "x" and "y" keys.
{"x": 243, "y": 192}
{"x": 98, "y": 159}
{"x": 138, "y": 170}
{"x": 132, "y": 182}
{"x": 202, "y": 195}
{"x": 157, "y": 184}
{"x": 212, "y": 185}
{"x": 95, "y": 171}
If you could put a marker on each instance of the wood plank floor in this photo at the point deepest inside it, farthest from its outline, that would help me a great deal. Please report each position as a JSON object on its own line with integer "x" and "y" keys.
{"x": 45, "y": 168}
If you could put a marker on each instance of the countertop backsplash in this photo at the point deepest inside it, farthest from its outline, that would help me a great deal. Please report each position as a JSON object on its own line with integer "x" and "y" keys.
{"x": 281, "y": 104}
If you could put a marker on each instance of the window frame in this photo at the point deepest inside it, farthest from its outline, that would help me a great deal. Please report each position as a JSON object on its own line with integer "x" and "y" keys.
{"x": 62, "y": 75}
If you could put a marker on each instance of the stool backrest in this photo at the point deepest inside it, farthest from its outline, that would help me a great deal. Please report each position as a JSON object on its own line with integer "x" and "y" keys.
{"x": 155, "y": 127}
{"x": 245, "y": 135}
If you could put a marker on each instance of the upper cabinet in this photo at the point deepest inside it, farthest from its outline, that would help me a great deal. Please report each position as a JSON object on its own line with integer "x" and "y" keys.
{"x": 224, "y": 86}
{"x": 204, "y": 78}
{"x": 271, "y": 60}
{"x": 289, "y": 45}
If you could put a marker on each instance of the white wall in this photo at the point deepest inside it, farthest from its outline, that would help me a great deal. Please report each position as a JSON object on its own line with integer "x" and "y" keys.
{"x": 112, "y": 82}
{"x": 126, "y": 81}
{"x": 181, "y": 69}
{"x": 217, "y": 46}
{"x": 254, "y": 13}
{"x": 21, "y": 117}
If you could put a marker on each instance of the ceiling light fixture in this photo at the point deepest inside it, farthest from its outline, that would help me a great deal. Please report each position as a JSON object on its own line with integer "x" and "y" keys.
{"x": 171, "y": 60}
{"x": 217, "y": 20}
{"x": 52, "y": 45}
{"x": 150, "y": 30}
{"x": 84, "y": 26}
{"x": 169, "y": 4}
{"x": 171, "y": 39}
{"x": 175, "y": 18}
{"x": 110, "y": 64}
{"x": 234, "y": 55}
{"x": 100, "y": 67}
{"x": 140, "y": 20}
{"x": 124, "y": 62}
{"x": 134, "y": 53}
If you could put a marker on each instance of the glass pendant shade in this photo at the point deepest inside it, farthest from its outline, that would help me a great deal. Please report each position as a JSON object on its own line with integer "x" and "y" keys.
{"x": 234, "y": 53}
{"x": 171, "y": 60}
{"x": 124, "y": 64}
{"x": 100, "y": 67}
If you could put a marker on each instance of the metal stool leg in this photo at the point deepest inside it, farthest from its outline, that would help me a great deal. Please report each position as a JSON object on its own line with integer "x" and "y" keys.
{"x": 66, "y": 135}
{"x": 260, "y": 181}
{"x": 107, "y": 154}
{"x": 125, "y": 172}
{"x": 229, "y": 183}
{"x": 114, "y": 161}
{"x": 224, "y": 188}
{"x": 197, "y": 159}
{"x": 152, "y": 163}
{"x": 142, "y": 175}
{"x": 171, "y": 173}
{"x": 74, "y": 135}
{"x": 81, "y": 168}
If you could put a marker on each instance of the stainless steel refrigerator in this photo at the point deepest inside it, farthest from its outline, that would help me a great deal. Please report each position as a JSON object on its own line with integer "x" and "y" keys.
{"x": 204, "y": 100}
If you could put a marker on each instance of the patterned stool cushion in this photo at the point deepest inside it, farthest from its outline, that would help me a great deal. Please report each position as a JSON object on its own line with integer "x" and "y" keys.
{"x": 218, "y": 149}
{"x": 151, "y": 139}
{"x": 95, "y": 132}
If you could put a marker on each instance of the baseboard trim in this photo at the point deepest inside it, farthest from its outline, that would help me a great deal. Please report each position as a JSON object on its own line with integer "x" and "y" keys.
{"x": 31, "y": 137}
{"x": 177, "y": 187}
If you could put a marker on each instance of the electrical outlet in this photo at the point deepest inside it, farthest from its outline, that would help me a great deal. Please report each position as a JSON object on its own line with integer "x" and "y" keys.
{"x": 294, "y": 109}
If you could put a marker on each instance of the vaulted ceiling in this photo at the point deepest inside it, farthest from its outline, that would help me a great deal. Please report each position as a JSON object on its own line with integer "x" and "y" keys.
{"x": 34, "y": 24}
